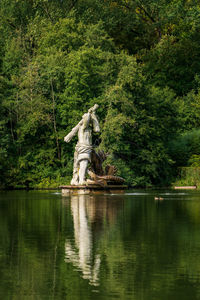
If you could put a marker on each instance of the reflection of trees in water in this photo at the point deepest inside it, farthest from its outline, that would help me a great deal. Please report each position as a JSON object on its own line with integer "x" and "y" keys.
{"x": 131, "y": 245}
{"x": 151, "y": 251}
{"x": 88, "y": 213}
{"x": 148, "y": 248}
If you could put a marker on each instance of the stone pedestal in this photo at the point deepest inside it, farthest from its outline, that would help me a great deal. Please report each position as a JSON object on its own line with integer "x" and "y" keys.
{"x": 68, "y": 190}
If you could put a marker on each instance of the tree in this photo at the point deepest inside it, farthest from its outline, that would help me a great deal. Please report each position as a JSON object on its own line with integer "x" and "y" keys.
{"x": 140, "y": 120}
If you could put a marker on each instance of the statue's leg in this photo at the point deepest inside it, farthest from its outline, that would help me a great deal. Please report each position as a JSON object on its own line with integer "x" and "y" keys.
{"x": 82, "y": 171}
{"x": 74, "y": 180}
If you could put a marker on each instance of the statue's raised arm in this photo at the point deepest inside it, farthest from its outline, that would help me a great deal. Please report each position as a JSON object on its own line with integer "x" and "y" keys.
{"x": 95, "y": 121}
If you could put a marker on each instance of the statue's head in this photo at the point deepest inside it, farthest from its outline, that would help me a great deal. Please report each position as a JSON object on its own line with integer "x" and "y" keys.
{"x": 90, "y": 119}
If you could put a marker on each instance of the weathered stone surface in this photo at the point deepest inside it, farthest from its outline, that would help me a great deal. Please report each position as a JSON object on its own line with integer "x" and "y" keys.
{"x": 82, "y": 154}
{"x": 85, "y": 154}
{"x": 68, "y": 190}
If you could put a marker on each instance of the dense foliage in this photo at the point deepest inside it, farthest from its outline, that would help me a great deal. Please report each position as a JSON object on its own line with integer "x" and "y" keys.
{"x": 138, "y": 59}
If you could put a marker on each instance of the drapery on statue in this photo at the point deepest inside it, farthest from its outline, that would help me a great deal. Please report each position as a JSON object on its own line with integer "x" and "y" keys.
{"x": 83, "y": 149}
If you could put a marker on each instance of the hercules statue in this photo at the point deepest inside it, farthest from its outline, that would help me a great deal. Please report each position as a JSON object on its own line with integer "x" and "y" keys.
{"x": 83, "y": 149}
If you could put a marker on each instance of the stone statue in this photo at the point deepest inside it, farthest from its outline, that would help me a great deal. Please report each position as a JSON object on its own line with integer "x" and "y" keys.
{"x": 83, "y": 150}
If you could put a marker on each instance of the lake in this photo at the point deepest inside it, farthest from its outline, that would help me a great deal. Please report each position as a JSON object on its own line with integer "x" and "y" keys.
{"x": 127, "y": 246}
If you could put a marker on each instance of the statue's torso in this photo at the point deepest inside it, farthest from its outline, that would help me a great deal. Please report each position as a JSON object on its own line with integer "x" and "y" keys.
{"x": 85, "y": 136}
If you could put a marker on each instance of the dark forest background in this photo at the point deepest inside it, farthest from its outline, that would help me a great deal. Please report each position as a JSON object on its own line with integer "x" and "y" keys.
{"x": 139, "y": 60}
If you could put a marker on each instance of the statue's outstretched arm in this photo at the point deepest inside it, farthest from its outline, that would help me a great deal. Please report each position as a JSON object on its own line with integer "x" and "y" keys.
{"x": 73, "y": 132}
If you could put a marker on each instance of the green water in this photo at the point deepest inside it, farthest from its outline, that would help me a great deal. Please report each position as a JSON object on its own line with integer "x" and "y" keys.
{"x": 100, "y": 247}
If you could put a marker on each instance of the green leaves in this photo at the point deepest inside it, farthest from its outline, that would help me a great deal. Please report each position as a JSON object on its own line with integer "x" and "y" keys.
{"x": 140, "y": 119}
{"x": 138, "y": 59}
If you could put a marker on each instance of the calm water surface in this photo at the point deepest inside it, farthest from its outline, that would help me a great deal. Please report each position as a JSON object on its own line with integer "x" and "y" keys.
{"x": 100, "y": 247}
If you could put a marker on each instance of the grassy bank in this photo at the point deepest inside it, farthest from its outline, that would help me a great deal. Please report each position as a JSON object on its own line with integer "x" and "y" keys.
{"x": 188, "y": 176}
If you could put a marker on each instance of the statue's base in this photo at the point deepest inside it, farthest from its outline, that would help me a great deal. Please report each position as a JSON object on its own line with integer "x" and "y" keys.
{"x": 68, "y": 190}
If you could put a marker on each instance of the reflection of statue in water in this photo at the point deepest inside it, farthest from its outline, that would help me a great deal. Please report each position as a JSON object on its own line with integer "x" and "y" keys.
{"x": 82, "y": 254}
{"x": 84, "y": 147}
{"x": 92, "y": 219}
